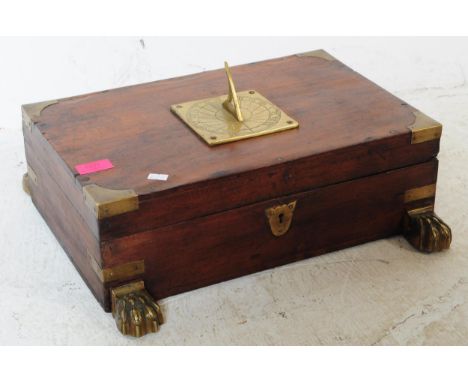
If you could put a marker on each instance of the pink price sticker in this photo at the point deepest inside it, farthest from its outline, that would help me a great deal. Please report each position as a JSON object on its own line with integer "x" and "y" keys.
{"x": 90, "y": 167}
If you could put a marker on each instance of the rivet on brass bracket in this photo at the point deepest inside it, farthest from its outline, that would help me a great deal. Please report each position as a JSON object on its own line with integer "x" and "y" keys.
{"x": 134, "y": 310}
{"x": 426, "y": 231}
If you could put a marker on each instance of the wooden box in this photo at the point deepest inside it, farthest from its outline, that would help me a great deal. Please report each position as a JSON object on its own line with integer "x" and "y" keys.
{"x": 361, "y": 166}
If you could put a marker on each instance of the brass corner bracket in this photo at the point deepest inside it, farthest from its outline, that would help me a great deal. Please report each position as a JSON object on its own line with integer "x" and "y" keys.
{"x": 105, "y": 202}
{"x": 32, "y": 112}
{"x": 424, "y": 128}
{"x": 320, "y": 53}
{"x": 134, "y": 310}
{"x": 426, "y": 231}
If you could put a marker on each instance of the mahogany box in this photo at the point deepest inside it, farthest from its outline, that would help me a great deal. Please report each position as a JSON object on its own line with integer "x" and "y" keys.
{"x": 177, "y": 212}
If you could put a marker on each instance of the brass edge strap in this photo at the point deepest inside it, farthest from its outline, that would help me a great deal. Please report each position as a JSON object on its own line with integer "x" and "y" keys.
{"x": 424, "y": 128}
{"x": 421, "y": 210}
{"x": 319, "y": 54}
{"x": 118, "y": 273}
{"x": 420, "y": 193}
{"x": 105, "y": 202}
{"x": 28, "y": 177}
{"x": 32, "y": 175}
{"x": 32, "y": 112}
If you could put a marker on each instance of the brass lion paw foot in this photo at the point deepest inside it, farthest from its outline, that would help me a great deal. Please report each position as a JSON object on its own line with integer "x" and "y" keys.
{"x": 134, "y": 310}
{"x": 426, "y": 231}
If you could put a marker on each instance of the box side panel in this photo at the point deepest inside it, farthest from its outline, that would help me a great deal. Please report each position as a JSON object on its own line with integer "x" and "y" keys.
{"x": 66, "y": 223}
{"x": 233, "y": 243}
{"x": 58, "y": 170}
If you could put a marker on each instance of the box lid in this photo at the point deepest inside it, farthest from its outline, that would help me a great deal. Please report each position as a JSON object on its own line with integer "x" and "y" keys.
{"x": 349, "y": 128}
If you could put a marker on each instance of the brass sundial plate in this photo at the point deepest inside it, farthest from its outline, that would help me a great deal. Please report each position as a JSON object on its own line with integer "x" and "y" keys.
{"x": 211, "y": 121}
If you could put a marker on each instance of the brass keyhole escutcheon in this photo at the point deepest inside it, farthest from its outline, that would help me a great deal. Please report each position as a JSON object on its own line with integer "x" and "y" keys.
{"x": 280, "y": 217}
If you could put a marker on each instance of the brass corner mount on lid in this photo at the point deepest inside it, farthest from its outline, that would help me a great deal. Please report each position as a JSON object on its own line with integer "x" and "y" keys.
{"x": 232, "y": 117}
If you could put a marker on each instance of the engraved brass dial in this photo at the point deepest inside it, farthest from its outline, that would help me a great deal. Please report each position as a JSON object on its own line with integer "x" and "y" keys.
{"x": 239, "y": 115}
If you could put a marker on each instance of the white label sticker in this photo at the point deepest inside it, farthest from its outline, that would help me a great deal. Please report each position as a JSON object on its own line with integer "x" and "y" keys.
{"x": 152, "y": 176}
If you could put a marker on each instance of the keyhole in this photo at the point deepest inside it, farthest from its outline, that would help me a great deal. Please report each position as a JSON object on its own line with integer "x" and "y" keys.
{"x": 280, "y": 217}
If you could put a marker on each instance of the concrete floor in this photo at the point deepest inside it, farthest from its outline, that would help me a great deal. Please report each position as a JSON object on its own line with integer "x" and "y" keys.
{"x": 381, "y": 293}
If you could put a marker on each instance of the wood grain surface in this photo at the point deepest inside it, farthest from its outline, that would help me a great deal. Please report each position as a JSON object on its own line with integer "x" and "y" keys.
{"x": 348, "y": 166}
{"x": 349, "y": 127}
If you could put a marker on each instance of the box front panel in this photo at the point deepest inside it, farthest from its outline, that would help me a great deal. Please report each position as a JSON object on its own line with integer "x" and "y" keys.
{"x": 206, "y": 250}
